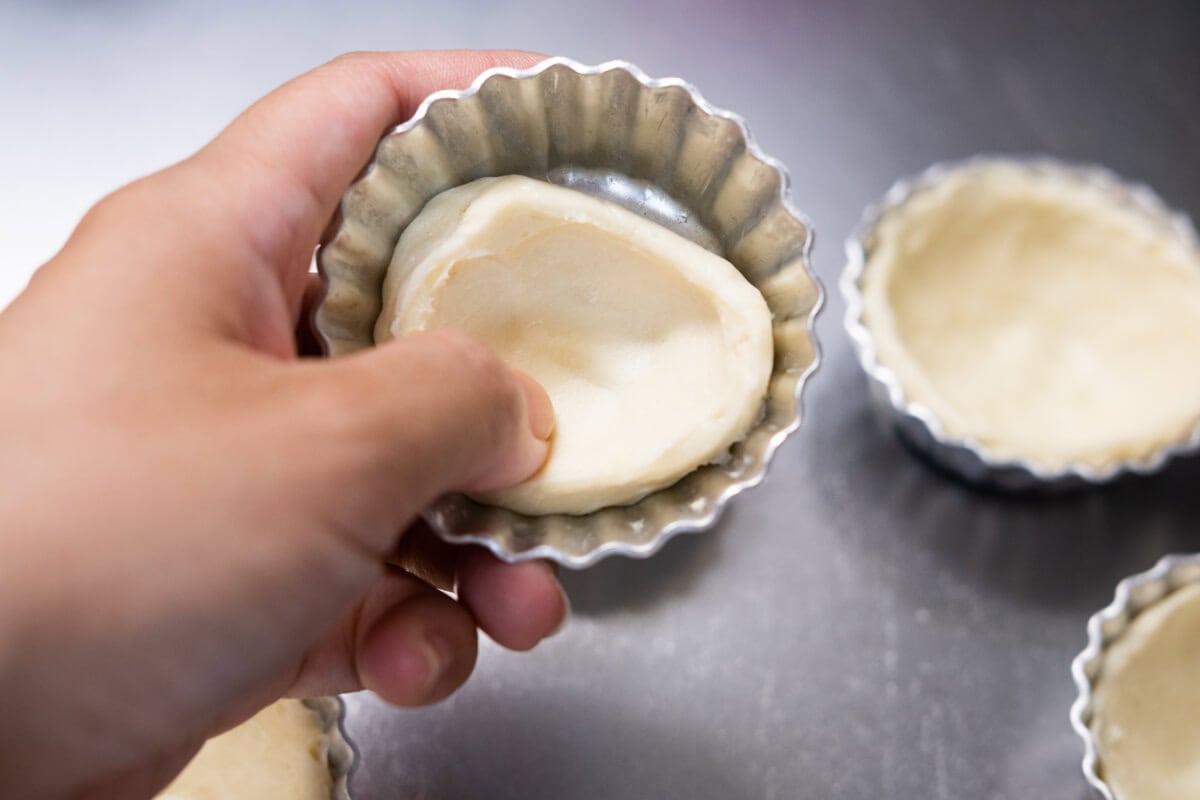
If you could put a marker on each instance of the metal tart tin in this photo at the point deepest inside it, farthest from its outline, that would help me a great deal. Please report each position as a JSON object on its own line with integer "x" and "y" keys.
{"x": 339, "y": 752}
{"x": 654, "y": 146}
{"x": 1133, "y": 596}
{"x": 914, "y": 422}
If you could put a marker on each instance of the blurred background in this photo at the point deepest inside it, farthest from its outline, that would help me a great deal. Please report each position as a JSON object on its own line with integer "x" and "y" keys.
{"x": 860, "y": 627}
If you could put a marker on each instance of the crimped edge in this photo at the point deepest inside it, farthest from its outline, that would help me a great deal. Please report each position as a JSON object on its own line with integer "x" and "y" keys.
{"x": 964, "y": 455}
{"x": 341, "y": 754}
{"x": 1118, "y": 614}
{"x": 437, "y": 517}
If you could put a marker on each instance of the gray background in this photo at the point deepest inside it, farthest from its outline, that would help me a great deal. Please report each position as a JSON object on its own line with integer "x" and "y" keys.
{"x": 859, "y": 627}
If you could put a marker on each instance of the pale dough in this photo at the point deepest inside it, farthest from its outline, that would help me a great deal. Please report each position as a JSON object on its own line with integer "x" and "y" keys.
{"x": 1030, "y": 313}
{"x": 278, "y": 754}
{"x": 1147, "y": 703}
{"x": 655, "y": 352}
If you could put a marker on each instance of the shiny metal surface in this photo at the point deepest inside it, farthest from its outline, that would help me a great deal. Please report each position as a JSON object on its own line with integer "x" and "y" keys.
{"x": 1134, "y": 595}
{"x": 655, "y": 146}
{"x": 915, "y": 422}
{"x": 859, "y": 627}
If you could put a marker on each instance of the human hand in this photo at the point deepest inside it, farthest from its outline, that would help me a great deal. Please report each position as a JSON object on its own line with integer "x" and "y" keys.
{"x": 193, "y": 520}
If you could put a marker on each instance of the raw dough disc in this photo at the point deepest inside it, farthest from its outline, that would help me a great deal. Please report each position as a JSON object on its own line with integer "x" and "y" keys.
{"x": 655, "y": 352}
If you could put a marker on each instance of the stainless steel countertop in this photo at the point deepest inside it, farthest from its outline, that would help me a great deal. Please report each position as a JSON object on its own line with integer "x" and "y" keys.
{"x": 859, "y": 627}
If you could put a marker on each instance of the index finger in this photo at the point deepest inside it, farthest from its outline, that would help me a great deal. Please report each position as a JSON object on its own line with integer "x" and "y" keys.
{"x": 290, "y": 156}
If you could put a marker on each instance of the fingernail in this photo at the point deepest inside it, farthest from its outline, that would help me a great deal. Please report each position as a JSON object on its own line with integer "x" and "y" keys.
{"x": 537, "y": 407}
{"x": 436, "y": 653}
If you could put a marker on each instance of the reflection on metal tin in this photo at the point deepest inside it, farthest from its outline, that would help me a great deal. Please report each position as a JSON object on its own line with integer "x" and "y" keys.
{"x": 654, "y": 146}
{"x": 1133, "y": 596}
{"x": 916, "y": 423}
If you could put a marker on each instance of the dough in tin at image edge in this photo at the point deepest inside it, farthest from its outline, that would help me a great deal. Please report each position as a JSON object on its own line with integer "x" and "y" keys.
{"x": 1031, "y": 313}
{"x": 1146, "y": 704}
{"x": 279, "y": 752}
{"x": 654, "y": 351}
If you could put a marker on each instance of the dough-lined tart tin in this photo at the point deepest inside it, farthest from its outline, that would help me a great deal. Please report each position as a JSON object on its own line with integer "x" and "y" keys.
{"x": 1134, "y": 595}
{"x": 653, "y": 146}
{"x": 340, "y": 754}
{"x": 914, "y": 422}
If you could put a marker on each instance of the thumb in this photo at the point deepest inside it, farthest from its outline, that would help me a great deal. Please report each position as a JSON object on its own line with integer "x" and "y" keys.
{"x": 419, "y": 416}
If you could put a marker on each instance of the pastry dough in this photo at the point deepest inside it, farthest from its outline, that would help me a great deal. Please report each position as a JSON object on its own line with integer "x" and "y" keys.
{"x": 1147, "y": 703}
{"x": 654, "y": 351}
{"x": 277, "y": 753}
{"x": 1032, "y": 314}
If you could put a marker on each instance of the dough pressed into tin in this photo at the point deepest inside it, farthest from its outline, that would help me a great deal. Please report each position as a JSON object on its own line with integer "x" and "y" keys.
{"x": 277, "y": 753}
{"x": 1146, "y": 703}
{"x": 654, "y": 351}
{"x": 1030, "y": 313}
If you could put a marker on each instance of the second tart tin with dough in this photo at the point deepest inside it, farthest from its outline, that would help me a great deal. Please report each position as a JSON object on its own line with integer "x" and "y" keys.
{"x": 915, "y": 422}
{"x": 655, "y": 147}
{"x": 1134, "y": 596}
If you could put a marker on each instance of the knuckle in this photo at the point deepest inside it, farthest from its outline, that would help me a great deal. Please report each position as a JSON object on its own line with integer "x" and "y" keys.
{"x": 349, "y": 57}
{"x": 354, "y": 59}
{"x": 110, "y": 215}
{"x": 109, "y": 207}
{"x": 119, "y": 205}
{"x": 486, "y": 383}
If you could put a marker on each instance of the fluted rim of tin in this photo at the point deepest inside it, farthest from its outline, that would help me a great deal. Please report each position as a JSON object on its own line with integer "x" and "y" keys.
{"x": 1133, "y": 595}
{"x": 341, "y": 754}
{"x": 1138, "y": 196}
{"x": 484, "y": 527}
